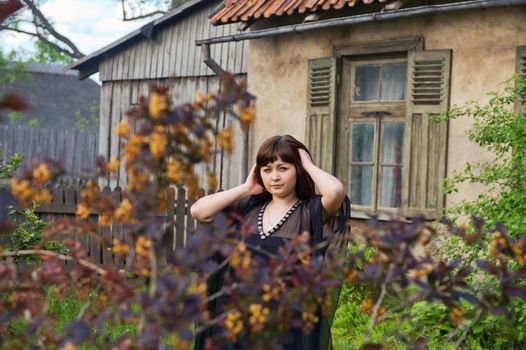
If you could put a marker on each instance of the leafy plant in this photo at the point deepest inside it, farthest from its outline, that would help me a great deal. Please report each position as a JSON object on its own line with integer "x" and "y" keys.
{"x": 499, "y": 129}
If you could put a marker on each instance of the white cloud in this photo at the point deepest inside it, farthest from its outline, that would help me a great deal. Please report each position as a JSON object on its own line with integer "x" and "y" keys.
{"x": 90, "y": 24}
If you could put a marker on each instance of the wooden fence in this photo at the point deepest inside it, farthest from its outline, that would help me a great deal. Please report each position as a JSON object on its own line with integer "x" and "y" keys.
{"x": 64, "y": 205}
{"x": 77, "y": 151}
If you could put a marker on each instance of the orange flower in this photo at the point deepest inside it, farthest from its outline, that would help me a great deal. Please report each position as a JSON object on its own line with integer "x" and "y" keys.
{"x": 83, "y": 211}
{"x": 124, "y": 212}
{"x": 41, "y": 174}
{"x": 234, "y": 324}
{"x": 113, "y": 165}
{"x": 43, "y": 196}
{"x": 258, "y": 316}
{"x": 247, "y": 114}
{"x": 123, "y": 129}
{"x": 174, "y": 171}
{"x": 226, "y": 139}
{"x": 119, "y": 247}
{"x": 158, "y": 105}
{"x": 158, "y": 143}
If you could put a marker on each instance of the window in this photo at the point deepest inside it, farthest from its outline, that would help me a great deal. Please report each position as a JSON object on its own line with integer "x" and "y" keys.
{"x": 369, "y": 121}
{"x": 375, "y": 117}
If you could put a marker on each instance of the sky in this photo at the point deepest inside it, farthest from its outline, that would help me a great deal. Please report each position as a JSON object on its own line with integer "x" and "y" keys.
{"x": 90, "y": 24}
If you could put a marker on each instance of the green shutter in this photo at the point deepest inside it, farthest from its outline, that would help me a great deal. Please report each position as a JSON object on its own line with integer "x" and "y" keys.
{"x": 321, "y": 111}
{"x": 520, "y": 68}
{"x": 425, "y": 142}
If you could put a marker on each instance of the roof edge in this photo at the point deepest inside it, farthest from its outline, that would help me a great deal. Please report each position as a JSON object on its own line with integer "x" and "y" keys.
{"x": 88, "y": 65}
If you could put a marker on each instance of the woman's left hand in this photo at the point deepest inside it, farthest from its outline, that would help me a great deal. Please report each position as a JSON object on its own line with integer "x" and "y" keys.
{"x": 306, "y": 160}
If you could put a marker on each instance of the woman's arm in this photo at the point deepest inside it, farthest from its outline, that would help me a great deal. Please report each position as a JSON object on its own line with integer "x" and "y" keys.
{"x": 208, "y": 206}
{"x": 331, "y": 189}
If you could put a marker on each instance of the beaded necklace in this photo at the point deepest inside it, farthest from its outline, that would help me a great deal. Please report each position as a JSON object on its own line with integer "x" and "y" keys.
{"x": 280, "y": 223}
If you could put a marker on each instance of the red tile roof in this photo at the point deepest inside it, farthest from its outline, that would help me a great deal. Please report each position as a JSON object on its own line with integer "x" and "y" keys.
{"x": 244, "y": 10}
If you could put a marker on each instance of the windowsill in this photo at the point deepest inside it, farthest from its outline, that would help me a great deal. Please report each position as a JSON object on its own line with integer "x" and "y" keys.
{"x": 382, "y": 216}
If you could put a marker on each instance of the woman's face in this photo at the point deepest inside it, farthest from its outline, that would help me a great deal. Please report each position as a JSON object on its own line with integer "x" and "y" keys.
{"x": 279, "y": 178}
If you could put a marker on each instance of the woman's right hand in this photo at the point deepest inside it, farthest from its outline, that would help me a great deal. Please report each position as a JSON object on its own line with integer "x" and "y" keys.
{"x": 251, "y": 184}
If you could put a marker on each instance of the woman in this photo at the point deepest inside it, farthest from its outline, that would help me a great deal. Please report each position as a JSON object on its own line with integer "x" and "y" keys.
{"x": 278, "y": 199}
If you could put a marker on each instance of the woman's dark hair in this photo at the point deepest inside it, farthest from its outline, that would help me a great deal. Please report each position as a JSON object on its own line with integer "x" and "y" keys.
{"x": 285, "y": 147}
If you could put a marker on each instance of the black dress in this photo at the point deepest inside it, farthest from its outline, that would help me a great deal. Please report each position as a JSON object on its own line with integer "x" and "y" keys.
{"x": 308, "y": 216}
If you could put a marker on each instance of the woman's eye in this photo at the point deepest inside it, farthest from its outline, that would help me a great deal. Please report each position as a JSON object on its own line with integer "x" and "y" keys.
{"x": 283, "y": 168}
{"x": 266, "y": 170}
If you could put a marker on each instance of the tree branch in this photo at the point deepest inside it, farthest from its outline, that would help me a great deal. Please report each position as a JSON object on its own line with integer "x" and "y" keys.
{"x": 59, "y": 256}
{"x": 129, "y": 19}
{"x": 46, "y": 25}
{"x": 42, "y": 38}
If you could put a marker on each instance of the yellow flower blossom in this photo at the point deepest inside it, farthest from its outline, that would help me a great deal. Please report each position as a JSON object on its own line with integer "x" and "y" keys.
{"x": 68, "y": 346}
{"x": 421, "y": 271}
{"x": 456, "y": 316}
{"x": 193, "y": 186}
{"x": 41, "y": 174}
{"x": 143, "y": 247}
{"x": 309, "y": 320}
{"x": 113, "y": 165}
{"x": 158, "y": 143}
{"x": 43, "y": 196}
{"x": 21, "y": 190}
{"x": 225, "y": 138}
{"x": 519, "y": 251}
{"x": 132, "y": 148}
{"x": 175, "y": 171}
{"x": 258, "y": 317}
{"x": 241, "y": 257}
{"x": 158, "y": 105}
{"x": 105, "y": 220}
{"x": 178, "y": 343}
{"x": 119, "y": 247}
{"x": 234, "y": 324}
{"x": 247, "y": 114}
{"x": 124, "y": 212}
{"x": 123, "y": 129}
{"x": 83, "y": 211}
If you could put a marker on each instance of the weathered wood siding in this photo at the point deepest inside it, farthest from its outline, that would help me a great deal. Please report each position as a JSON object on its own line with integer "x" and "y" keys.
{"x": 117, "y": 97}
{"x": 76, "y": 150}
{"x": 171, "y": 51}
{"x": 171, "y": 57}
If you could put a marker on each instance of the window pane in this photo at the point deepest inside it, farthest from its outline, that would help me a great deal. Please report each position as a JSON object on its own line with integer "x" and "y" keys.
{"x": 361, "y": 185}
{"x": 394, "y": 82}
{"x": 392, "y": 143}
{"x": 367, "y": 83}
{"x": 362, "y": 142}
{"x": 391, "y": 187}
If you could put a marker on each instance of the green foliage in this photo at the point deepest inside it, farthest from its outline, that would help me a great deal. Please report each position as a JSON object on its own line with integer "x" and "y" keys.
{"x": 12, "y": 68}
{"x": 501, "y": 131}
{"x": 29, "y": 233}
{"x": 91, "y": 121}
{"x": 47, "y": 54}
{"x": 7, "y": 169}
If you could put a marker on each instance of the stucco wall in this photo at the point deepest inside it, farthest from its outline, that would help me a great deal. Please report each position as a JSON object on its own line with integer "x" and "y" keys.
{"x": 484, "y": 47}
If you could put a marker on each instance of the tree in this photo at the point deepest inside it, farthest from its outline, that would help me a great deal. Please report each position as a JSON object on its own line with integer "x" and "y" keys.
{"x": 41, "y": 28}
{"x": 53, "y": 46}
{"x": 501, "y": 131}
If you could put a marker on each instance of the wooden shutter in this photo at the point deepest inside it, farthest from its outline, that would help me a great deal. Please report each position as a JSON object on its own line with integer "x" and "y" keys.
{"x": 425, "y": 142}
{"x": 520, "y": 68}
{"x": 321, "y": 111}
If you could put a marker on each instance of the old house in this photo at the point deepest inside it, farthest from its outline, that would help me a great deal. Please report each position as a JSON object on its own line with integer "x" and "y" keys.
{"x": 64, "y": 114}
{"x": 164, "y": 52}
{"x": 360, "y": 82}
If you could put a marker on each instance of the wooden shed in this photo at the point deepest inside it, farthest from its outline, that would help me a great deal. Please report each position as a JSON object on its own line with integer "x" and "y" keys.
{"x": 164, "y": 51}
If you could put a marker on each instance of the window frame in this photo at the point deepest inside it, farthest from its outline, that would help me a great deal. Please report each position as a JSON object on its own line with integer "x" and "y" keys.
{"x": 354, "y": 114}
{"x": 368, "y": 52}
